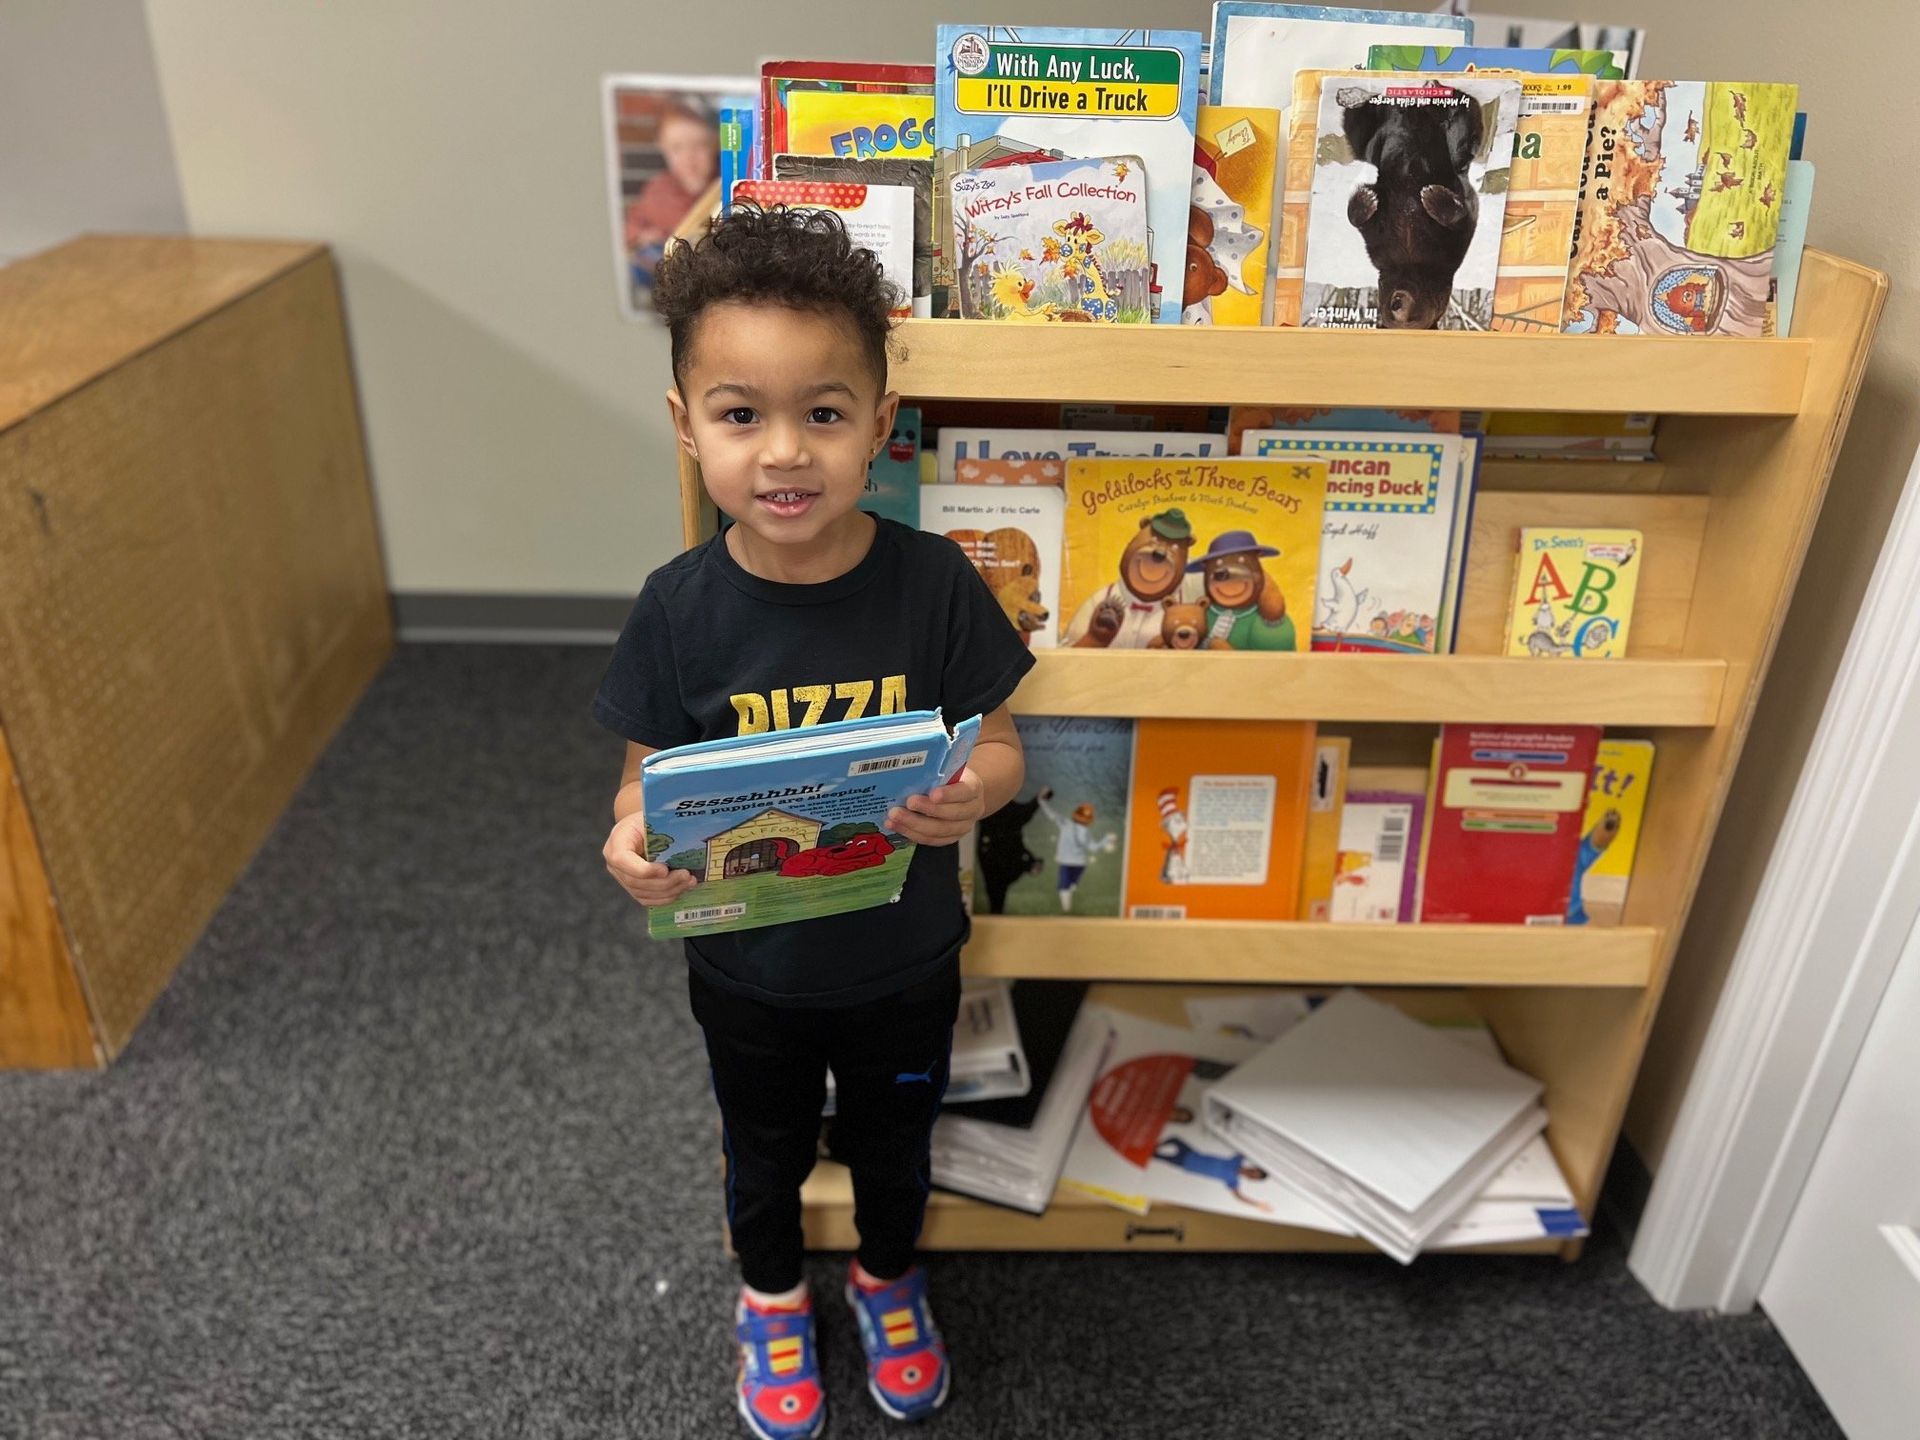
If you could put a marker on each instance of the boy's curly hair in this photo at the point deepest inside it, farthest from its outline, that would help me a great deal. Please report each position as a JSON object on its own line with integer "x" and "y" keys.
{"x": 803, "y": 259}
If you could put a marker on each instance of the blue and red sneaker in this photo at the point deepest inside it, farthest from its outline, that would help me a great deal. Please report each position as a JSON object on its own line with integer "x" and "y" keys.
{"x": 780, "y": 1393}
{"x": 907, "y": 1372}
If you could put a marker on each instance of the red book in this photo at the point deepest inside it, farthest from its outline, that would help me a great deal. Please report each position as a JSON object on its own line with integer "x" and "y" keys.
{"x": 1508, "y": 801}
{"x": 777, "y": 77}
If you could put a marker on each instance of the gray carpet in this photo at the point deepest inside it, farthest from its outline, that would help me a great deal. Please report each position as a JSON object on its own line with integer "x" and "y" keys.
{"x": 419, "y": 1143}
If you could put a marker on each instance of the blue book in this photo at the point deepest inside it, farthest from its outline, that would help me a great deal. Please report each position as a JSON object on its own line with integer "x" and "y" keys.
{"x": 1452, "y": 59}
{"x": 791, "y": 824}
{"x": 1048, "y": 93}
{"x": 893, "y": 479}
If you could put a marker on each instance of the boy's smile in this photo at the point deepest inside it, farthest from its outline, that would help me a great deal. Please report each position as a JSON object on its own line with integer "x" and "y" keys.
{"x": 783, "y": 411}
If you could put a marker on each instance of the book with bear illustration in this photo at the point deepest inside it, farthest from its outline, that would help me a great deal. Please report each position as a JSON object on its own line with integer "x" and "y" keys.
{"x": 1013, "y": 537}
{"x": 1616, "y": 804}
{"x": 1573, "y": 593}
{"x": 790, "y": 824}
{"x": 1048, "y": 93}
{"x": 1230, "y": 222}
{"x": 1052, "y": 240}
{"x": 1388, "y": 245}
{"x": 1192, "y": 554}
{"x": 1217, "y": 818}
{"x": 956, "y": 443}
{"x": 1509, "y": 804}
{"x": 1059, "y": 846}
{"x": 1393, "y": 515}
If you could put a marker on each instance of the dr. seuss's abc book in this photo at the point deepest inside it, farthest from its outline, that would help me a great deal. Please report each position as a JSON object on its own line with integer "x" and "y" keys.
{"x": 1616, "y": 804}
{"x": 1011, "y": 533}
{"x": 791, "y": 824}
{"x": 1230, "y": 222}
{"x": 1036, "y": 93}
{"x": 1393, "y": 514}
{"x": 1192, "y": 554}
{"x": 1059, "y": 846}
{"x": 1059, "y": 240}
{"x": 1573, "y": 593}
{"x": 1683, "y": 188}
{"x": 1409, "y": 191}
{"x": 1217, "y": 819}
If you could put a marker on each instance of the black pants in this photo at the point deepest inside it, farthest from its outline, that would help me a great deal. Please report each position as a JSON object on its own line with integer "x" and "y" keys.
{"x": 889, "y": 1062}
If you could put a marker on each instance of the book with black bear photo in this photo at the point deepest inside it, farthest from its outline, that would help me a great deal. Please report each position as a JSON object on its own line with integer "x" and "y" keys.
{"x": 1409, "y": 192}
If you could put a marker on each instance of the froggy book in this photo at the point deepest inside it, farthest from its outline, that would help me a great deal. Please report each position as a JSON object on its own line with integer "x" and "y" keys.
{"x": 1573, "y": 593}
{"x": 1189, "y": 555}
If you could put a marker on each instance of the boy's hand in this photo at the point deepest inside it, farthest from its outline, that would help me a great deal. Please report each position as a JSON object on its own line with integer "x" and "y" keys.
{"x": 647, "y": 881}
{"x": 943, "y": 815}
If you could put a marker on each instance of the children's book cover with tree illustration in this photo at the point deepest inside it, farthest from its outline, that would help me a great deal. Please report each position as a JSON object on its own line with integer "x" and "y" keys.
{"x": 1061, "y": 240}
{"x": 1683, "y": 187}
{"x": 1059, "y": 846}
{"x": 1573, "y": 593}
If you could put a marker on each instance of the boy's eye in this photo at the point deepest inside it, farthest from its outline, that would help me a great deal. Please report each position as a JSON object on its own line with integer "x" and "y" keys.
{"x": 822, "y": 415}
{"x": 739, "y": 415}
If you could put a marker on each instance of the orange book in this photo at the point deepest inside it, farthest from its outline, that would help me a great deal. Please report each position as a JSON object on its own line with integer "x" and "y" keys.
{"x": 1216, "y": 825}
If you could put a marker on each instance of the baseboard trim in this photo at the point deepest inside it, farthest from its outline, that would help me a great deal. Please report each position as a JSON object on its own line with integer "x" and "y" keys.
{"x": 439, "y": 615}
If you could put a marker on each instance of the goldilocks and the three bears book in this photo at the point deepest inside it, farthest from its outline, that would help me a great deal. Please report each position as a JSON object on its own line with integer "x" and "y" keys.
{"x": 791, "y": 824}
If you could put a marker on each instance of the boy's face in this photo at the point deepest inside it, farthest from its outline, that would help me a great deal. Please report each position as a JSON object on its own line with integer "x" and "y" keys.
{"x": 783, "y": 412}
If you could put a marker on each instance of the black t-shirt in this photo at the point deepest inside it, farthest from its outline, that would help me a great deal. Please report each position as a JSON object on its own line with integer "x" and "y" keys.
{"x": 710, "y": 651}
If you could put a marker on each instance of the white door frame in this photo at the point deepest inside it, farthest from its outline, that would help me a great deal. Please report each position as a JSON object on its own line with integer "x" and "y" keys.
{"x": 1840, "y": 894}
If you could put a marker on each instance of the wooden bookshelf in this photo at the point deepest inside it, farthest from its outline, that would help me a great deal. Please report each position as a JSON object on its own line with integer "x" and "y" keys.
{"x": 1747, "y": 445}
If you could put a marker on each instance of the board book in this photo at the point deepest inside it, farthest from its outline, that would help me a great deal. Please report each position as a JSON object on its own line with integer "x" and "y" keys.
{"x": 1059, "y": 846}
{"x": 1573, "y": 593}
{"x": 915, "y": 175}
{"x": 1509, "y": 804}
{"x": 1388, "y": 246}
{"x": 1013, "y": 537}
{"x": 791, "y": 824}
{"x": 1387, "y": 544}
{"x": 1052, "y": 241}
{"x": 1610, "y": 838}
{"x": 1039, "y": 92}
{"x": 1230, "y": 219}
{"x": 1217, "y": 819}
{"x": 1192, "y": 554}
{"x": 957, "y": 443}
{"x": 1326, "y": 799}
{"x": 1682, "y": 207}
{"x": 877, "y": 218}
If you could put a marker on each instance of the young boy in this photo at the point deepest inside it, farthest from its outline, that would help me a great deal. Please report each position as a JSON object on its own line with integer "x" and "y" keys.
{"x": 806, "y": 610}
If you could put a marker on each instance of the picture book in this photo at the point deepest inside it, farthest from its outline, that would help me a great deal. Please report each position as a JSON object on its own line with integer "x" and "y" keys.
{"x": 1681, "y": 208}
{"x": 1470, "y": 449}
{"x": 1192, "y": 554}
{"x": 1230, "y": 220}
{"x": 916, "y": 175}
{"x": 1013, "y": 538}
{"x": 1010, "y": 472}
{"x": 1377, "y": 870}
{"x": 1039, "y": 93}
{"x": 1242, "y": 418}
{"x": 968, "y": 442}
{"x": 1543, "y": 197}
{"x": 1573, "y": 593}
{"x": 1392, "y": 502}
{"x": 791, "y": 824}
{"x": 1388, "y": 245}
{"x": 1258, "y": 47}
{"x": 1144, "y": 1140}
{"x": 1326, "y": 799}
{"x": 1622, "y": 42}
{"x": 1055, "y": 240}
{"x": 1059, "y": 846}
{"x": 1616, "y": 803}
{"x": 1300, "y": 132}
{"x": 1536, "y": 60}
{"x": 1216, "y": 821}
{"x": 1509, "y": 803}
{"x": 862, "y": 126}
{"x": 1796, "y": 200}
{"x": 878, "y": 218}
{"x": 780, "y": 79}
{"x": 893, "y": 476}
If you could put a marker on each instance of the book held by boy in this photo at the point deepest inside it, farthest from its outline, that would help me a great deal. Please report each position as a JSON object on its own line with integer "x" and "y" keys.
{"x": 790, "y": 824}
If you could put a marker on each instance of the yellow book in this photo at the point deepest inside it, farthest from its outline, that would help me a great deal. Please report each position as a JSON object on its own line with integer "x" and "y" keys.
{"x": 1230, "y": 219}
{"x": 860, "y": 126}
{"x": 1573, "y": 593}
{"x": 1324, "y": 803}
{"x": 1616, "y": 803}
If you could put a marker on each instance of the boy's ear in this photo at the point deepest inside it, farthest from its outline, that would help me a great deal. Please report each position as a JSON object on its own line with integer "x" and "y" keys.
{"x": 682, "y": 421}
{"x": 883, "y": 418}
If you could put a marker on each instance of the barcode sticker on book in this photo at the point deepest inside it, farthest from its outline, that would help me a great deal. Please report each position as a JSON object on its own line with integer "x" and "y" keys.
{"x": 1393, "y": 837}
{"x": 1156, "y": 912}
{"x": 708, "y": 914}
{"x": 888, "y": 762}
{"x": 1541, "y": 106}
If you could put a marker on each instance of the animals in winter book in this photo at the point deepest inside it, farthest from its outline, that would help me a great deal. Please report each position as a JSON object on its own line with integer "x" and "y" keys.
{"x": 1058, "y": 240}
{"x": 1231, "y": 218}
{"x": 791, "y": 824}
{"x": 959, "y": 443}
{"x": 1035, "y": 93}
{"x": 1059, "y": 846}
{"x": 1573, "y": 593}
{"x": 1012, "y": 534}
{"x": 1616, "y": 804}
{"x": 1409, "y": 193}
{"x": 1192, "y": 554}
{"x": 1682, "y": 207}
